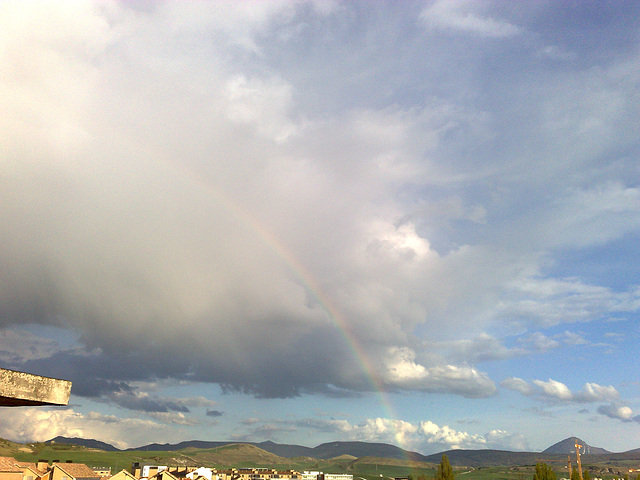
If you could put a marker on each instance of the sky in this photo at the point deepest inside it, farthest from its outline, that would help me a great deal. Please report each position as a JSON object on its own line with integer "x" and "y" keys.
{"x": 410, "y": 222}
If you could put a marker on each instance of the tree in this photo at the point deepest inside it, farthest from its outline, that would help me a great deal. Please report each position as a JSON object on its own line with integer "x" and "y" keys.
{"x": 544, "y": 472}
{"x": 445, "y": 472}
{"x": 586, "y": 475}
{"x": 574, "y": 474}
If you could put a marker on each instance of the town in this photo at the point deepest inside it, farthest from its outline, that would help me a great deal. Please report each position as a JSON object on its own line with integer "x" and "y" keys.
{"x": 11, "y": 469}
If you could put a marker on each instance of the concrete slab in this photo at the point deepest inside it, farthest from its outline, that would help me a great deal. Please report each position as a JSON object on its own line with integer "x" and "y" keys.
{"x": 24, "y": 389}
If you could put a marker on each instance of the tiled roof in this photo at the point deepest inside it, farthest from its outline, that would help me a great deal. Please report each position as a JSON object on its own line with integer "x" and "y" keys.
{"x": 78, "y": 470}
{"x": 9, "y": 464}
{"x": 32, "y": 466}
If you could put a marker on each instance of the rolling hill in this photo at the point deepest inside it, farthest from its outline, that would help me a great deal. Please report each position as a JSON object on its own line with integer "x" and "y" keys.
{"x": 227, "y": 453}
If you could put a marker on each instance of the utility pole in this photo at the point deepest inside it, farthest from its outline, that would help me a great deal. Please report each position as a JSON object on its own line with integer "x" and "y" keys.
{"x": 569, "y": 466}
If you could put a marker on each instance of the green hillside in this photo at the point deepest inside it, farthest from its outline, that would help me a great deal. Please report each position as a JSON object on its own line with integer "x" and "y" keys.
{"x": 469, "y": 465}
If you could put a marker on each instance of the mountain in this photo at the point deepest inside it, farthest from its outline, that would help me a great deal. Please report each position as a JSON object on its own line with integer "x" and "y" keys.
{"x": 168, "y": 447}
{"x": 364, "y": 449}
{"x": 568, "y": 446}
{"x": 84, "y": 442}
{"x": 484, "y": 458}
{"x": 229, "y": 452}
{"x": 284, "y": 450}
{"x": 323, "y": 452}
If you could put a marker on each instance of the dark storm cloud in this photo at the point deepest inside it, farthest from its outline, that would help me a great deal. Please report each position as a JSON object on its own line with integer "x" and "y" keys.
{"x": 164, "y": 194}
{"x": 214, "y": 413}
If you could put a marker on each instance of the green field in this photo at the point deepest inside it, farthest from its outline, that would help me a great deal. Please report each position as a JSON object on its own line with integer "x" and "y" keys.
{"x": 242, "y": 456}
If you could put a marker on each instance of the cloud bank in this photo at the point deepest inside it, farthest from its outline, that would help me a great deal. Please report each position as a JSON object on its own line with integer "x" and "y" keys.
{"x": 202, "y": 193}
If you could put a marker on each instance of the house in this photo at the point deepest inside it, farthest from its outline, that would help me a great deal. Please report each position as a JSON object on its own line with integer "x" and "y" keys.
{"x": 164, "y": 475}
{"x": 10, "y": 469}
{"x": 32, "y": 471}
{"x": 201, "y": 472}
{"x": 72, "y": 471}
{"x": 123, "y": 475}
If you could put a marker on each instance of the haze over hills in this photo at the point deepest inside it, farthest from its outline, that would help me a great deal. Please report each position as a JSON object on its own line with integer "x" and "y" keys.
{"x": 471, "y": 458}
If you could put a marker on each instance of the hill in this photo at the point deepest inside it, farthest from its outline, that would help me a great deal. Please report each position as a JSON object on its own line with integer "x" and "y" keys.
{"x": 83, "y": 442}
{"x": 485, "y": 458}
{"x": 568, "y": 446}
{"x": 263, "y": 453}
{"x": 364, "y": 449}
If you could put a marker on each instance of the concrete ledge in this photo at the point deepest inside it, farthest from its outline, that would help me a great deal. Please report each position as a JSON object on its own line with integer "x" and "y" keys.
{"x": 24, "y": 389}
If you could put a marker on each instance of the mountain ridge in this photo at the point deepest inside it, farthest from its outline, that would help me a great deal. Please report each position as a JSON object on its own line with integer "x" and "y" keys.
{"x": 324, "y": 451}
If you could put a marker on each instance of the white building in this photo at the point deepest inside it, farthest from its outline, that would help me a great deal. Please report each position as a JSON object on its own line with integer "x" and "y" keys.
{"x": 325, "y": 476}
{"x": 201, "y": 472}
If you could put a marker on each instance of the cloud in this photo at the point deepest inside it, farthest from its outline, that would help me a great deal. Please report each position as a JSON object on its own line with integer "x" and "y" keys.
{"x": 174, "y": 418}
{"x": 555, "y": 391}
{"x": 39, "y": 425}
{"x": 539, "y": 342}
{"x": 424, "y": 436}
{"x": 327, "y": 426}
{"x": 572, "y": 338}
{"x": 554, "y": 52}
{"x": 461, "y": 16}
{"x": 592, "y": 392}
{"x": 518, "y": 385}
{"x": 18, "y": 346}
{"x": 214, "y": 413}
{"x": 144, "y": 402}
{"x": 483, "y": 348}
{"x": 613, "y": 410}
{"x": 402, "y": 370}
{"x": 540, "y": 412}
{"x": 549, "y": 302}
{"x": 191, "y": 196}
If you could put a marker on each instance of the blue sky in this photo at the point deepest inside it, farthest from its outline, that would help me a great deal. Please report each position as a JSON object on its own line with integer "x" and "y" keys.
{"x": 403, "y": 222}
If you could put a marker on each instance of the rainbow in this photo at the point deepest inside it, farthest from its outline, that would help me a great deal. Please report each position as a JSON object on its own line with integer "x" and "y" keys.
{"x": 299, "y": 272}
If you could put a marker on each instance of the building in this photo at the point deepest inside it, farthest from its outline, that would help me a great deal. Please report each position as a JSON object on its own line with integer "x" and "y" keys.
{"x": 10, "y": 469}
{"x": 325, "y": 476}
{"x": 202, "y": 473}
{"x": 72, "y": 471}
{"x": 123, "y": 475}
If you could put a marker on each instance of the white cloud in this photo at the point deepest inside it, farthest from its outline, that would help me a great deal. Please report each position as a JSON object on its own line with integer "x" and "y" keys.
{"x": 554, "y": 52}
{"x": 552, "y": 301}
{"x": 613, "y": 410}
{"x": 424, "y": 436}
{"x": 39, "y": 425}
{"x": 518, "y": 384}
{"x": 554, "y": 389}
{"x": 573, "y": 338}
{"x": 401, "y": 370}
{"x": 558, "y": 392}
{"x": 174, "y": 418}
{"x": 481, "y": 348}
{"x": 592, "y": 392}
{"x": 539, "y": 342}
{"x": 602, "y": 213}
{"x": 462, "y": 16}
{"x": 265, "y": 104}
